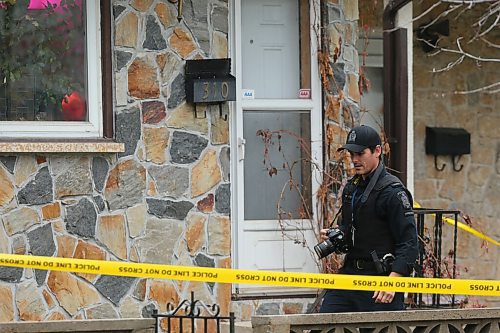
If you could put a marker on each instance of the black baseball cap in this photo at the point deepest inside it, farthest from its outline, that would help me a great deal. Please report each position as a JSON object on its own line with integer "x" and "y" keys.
{"x": 360, "y": 138}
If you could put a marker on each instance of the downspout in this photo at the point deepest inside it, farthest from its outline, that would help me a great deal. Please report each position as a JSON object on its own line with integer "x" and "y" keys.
{"x": 395, "y": 89}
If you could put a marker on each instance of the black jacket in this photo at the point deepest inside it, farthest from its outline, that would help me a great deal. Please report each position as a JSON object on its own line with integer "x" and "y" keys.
{"x": 382, "y": 221}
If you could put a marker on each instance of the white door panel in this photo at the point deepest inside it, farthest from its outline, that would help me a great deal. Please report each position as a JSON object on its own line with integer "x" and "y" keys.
{"x": 270, "y": 48}
{"x": 273, "y": 249}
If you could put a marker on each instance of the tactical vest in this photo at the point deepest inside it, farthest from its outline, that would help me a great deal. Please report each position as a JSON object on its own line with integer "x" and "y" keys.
{"x": 371, "y": 232}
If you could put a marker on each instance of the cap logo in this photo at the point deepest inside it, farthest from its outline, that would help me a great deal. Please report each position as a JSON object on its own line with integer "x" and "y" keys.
{"x": 352, "y": 137}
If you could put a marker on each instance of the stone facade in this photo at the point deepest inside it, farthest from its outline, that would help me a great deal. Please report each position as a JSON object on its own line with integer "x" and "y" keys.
{"x": 474, "y": 190}
{"x": 164, "y": 200}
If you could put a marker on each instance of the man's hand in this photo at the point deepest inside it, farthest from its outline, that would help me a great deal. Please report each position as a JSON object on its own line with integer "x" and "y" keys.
{"x": 322, "y": 234}
{"x": 385, "y": 296}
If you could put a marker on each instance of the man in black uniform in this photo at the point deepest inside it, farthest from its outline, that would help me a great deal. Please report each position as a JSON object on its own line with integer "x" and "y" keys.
{"x": 377, "y": 220}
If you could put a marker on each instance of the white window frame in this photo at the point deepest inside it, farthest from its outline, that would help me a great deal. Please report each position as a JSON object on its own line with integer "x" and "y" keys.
{"x": 93, "y": 128}
{"x": 312, "y": 105}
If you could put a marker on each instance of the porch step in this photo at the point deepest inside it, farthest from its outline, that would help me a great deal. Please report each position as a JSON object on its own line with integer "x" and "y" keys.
{"x": 239, "y": 327}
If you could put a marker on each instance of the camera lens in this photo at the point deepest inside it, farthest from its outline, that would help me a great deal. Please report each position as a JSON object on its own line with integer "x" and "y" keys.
{"x": 323, "y": 249}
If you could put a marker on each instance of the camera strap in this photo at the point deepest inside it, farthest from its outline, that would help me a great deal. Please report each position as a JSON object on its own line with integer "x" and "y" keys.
{"x": 372, "y": 182}
{"x": 364, "y": 197}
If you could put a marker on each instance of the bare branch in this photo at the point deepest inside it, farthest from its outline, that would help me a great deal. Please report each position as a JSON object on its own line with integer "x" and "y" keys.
{"x": 490, "y": 43}
{"x": 427, "y": 11}
{"x": 469, "y": 2}
{"x": 466, "y": 54}
{"x": 485, "y": 89}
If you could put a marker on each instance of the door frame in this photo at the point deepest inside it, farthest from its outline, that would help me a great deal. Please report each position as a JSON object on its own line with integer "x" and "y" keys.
{"x": 313, "y": 105}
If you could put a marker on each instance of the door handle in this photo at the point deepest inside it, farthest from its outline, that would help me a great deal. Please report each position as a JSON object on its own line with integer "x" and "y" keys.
{"x": 241, "y": 149}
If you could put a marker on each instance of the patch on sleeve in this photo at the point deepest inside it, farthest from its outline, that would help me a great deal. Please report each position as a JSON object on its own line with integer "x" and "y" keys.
{"x": 403, "y": 197}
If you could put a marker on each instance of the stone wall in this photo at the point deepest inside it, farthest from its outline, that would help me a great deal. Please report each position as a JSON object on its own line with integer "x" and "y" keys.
{"x": 164, "y": 200}
{"x": 475, "y": 190}
{"x": 341, "y": 92}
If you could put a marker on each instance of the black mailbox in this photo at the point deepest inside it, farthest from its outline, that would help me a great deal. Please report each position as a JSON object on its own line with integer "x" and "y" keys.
{"x": 447, "y": 141}
{"x": 209, "y": 81}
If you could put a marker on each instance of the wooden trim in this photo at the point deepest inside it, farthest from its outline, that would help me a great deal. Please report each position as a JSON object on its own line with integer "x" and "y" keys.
{"x": 401, "y": 102}
{"x": 396, "y": 89}
{"x": 107, "y": 69}
{"x": 396, "y": 100}
{"x": 305, "y": 44}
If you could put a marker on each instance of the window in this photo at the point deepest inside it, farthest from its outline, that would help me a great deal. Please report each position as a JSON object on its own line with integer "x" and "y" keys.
{"x": 51, "y": 68}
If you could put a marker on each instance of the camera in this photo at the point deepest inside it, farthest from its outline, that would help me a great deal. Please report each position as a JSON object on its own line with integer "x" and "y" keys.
{"x": 335, "y": 243}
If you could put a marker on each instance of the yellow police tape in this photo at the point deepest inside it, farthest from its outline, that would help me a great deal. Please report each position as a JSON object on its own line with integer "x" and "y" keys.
{"x": 225, "y": 275}
{"x": 466, "y": 228}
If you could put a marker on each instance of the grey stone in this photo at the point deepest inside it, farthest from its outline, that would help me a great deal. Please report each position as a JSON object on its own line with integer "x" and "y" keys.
{"x": 177, "y": 92}
{"x": 11, "y": 274}
{"x": 223, "y": 199}
{"x": 170, "y": 180}
{"x": 100, "y": 168}
{"x": 114, "y": 287}
{"x": 159, "y": 241}
{"x": 334, "y": 14}
{"x": 128, "y": 129}
{"x": 186, "y": 147}
{"x": 354, "y": 111}
{"x": 40, "y": 276}
{"x": 147, "y": 311}
{"x": 197, "y": 10}
{"x": 172, "y": 65}
{"x": 102, "y": 311}
{"x": 18, "y": 244}
{"x": 220, "y": 18}
{"x": 169, "y": 209}
{"x": 74, "y": 179}
{"x": 38, "y": 191}
{"x": 203, "y": 260}
{"x": 268, "y": 309}
{"x": 339, "y": 78}
{"x": 9, "y": 162}
{"x": 224, "y": 159}
{"x": 196, "y": 16}
{"x": 130, "y": 187}
{"x": 100, "y": 203}
{"x": 154, "y": 40}
{"x": 122, "y": 58}
{"x": 41, "y": 241}
{"x": 117, "y": 10}
{"x": 81, "y": 219}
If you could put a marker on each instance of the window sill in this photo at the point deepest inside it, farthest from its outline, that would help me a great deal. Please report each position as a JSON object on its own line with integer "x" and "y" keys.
{"x": 61, "y": 146}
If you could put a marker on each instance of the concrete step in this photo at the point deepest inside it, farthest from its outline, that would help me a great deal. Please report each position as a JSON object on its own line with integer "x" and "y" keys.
{"x": 239, "y": 327}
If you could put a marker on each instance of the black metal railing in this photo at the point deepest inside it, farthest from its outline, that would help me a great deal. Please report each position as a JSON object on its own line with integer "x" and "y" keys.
{"x": 431, "y": 260}
{"x": 192, "y": 316}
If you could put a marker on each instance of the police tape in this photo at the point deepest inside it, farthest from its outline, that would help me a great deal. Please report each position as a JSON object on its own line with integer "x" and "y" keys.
{"x": 226, "y": 275}
{"x": 466, "y": 228}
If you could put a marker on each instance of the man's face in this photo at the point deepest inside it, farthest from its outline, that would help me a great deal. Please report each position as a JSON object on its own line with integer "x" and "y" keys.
{"x": 366, "y": 162}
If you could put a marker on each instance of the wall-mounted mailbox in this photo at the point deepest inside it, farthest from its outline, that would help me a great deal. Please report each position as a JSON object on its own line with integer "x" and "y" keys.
{"x": 447, "y": 141}
{"x": 209, "y": 81}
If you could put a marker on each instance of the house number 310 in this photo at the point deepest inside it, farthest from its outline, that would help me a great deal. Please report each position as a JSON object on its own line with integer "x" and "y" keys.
{"x": 214, "y": 88}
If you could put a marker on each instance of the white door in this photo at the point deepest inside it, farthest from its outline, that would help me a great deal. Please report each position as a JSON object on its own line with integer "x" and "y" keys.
{"x": 268, "y": 63}
{"x": 270, "y": 47}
